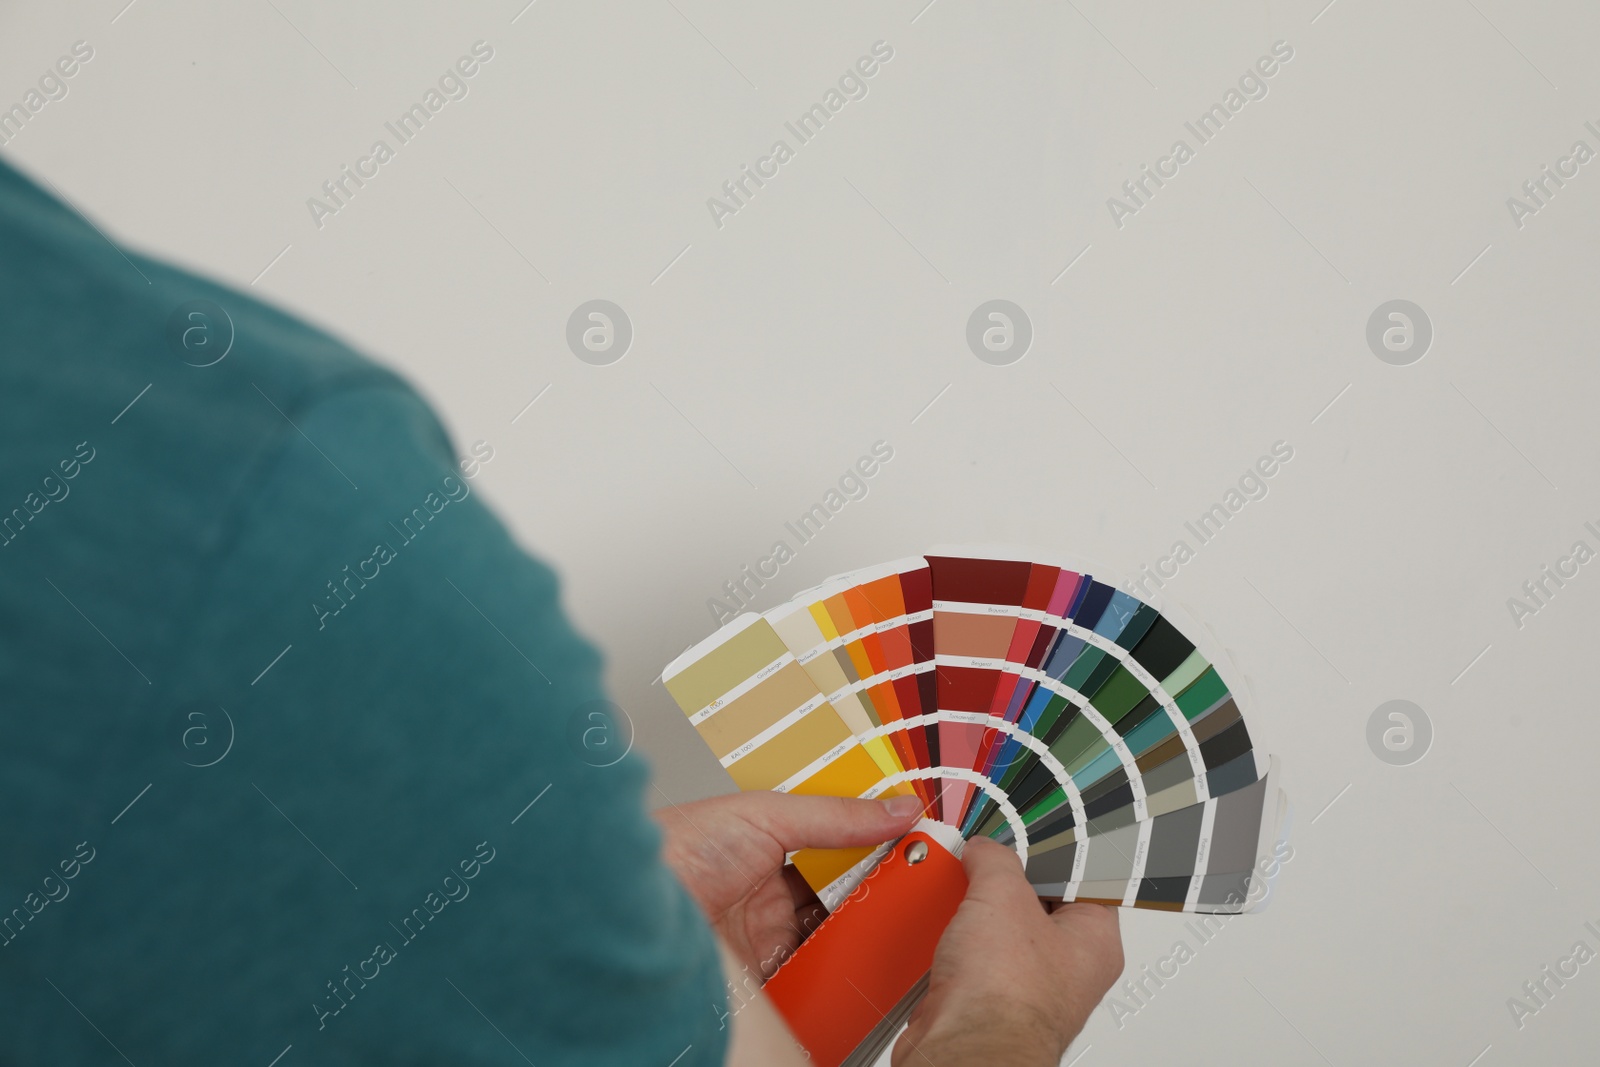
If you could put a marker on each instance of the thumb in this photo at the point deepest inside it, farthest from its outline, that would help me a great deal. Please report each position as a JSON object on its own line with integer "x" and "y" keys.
{"x": 995, "y": 876}
{"x": 797, "y": 822}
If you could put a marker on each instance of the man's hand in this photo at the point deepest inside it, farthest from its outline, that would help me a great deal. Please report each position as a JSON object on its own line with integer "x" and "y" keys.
{"x": 1011, "y": 983}
{"x": 728, "y": 852}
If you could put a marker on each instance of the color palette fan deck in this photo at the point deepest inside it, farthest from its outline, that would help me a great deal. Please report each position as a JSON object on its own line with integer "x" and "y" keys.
{"x": 1024, "y": 701}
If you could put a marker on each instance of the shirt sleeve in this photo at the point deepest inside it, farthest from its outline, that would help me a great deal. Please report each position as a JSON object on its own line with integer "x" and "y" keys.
{"x": 423, "y": 846}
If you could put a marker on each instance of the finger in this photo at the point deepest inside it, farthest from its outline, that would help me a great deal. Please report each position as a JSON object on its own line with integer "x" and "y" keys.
{"x": 797, "y": 822}
{"x": 1095, "y": 925}
{"x": 808, "y": 909}
{"x": 995, "y": 876}
{"x": 1099, "y": 917}
{"x": 1096, "y": 930}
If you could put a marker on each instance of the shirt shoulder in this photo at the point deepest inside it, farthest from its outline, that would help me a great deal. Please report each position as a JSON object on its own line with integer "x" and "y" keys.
{"x": 380, "y": 787}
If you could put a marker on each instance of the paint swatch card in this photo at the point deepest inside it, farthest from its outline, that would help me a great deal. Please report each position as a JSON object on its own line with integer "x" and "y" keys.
{"x": 977, "y": 606}
{"x": 769, "y": 725}
{"x": 853, "y": 634}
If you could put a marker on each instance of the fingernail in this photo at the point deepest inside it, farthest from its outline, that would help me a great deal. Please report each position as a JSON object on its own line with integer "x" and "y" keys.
{"x": 903, "y": 807}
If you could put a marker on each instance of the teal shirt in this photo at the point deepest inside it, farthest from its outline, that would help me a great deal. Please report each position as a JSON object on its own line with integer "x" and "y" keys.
{"x": 277, "y": 692}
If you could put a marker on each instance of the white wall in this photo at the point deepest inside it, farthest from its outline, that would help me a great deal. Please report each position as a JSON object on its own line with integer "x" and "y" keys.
{"x": 1222, "y": 317}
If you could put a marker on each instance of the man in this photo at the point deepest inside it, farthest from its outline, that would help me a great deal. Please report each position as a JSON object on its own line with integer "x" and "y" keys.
{"x": 294, "y": 760}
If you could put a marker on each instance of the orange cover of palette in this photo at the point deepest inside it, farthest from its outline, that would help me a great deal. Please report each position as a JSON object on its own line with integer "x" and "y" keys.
{"x": 867, "y": 955}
